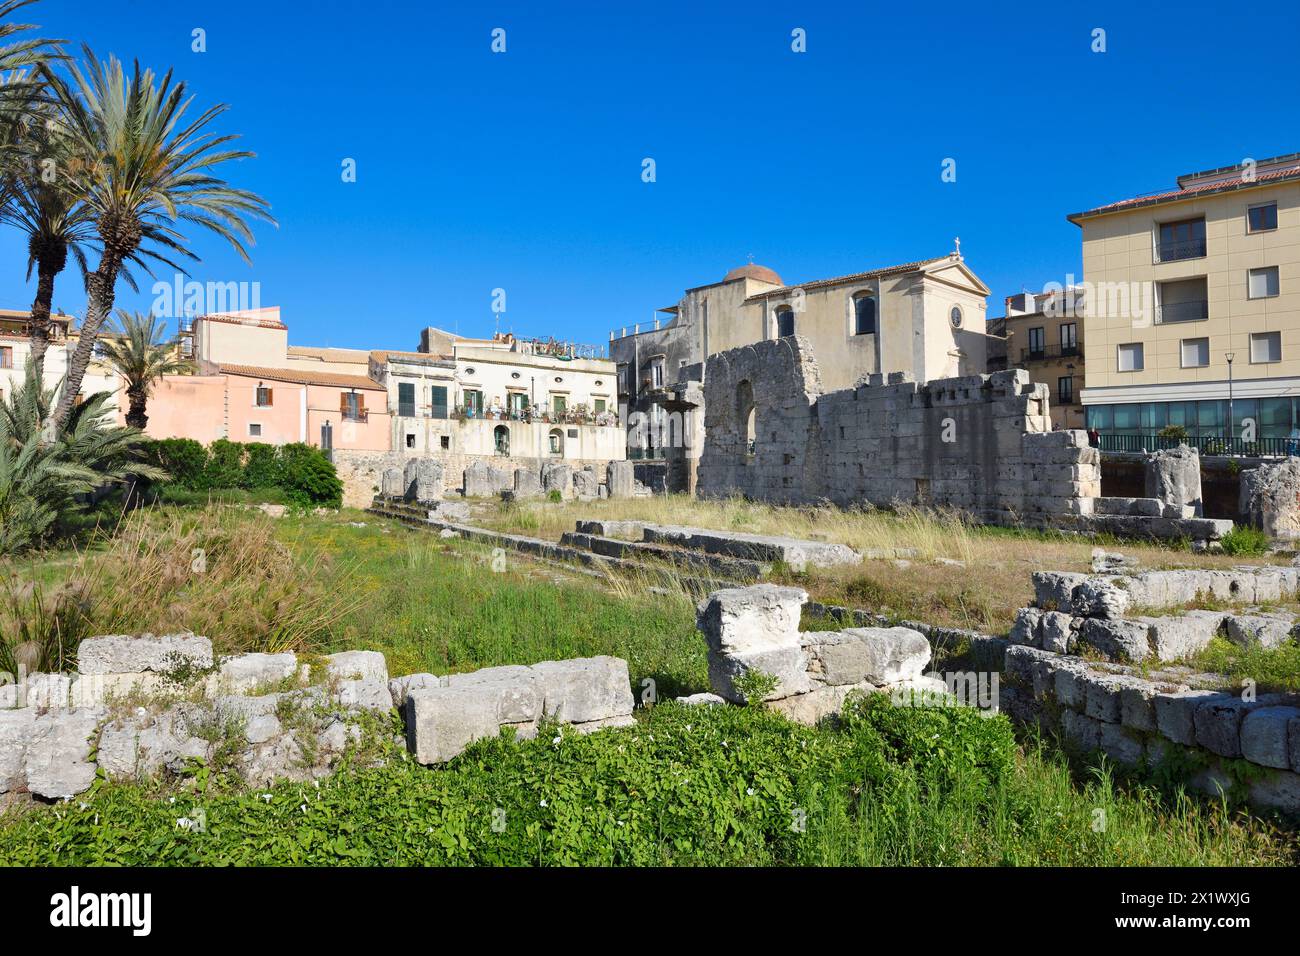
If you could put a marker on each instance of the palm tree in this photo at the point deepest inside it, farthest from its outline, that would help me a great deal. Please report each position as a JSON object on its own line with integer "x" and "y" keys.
{"x": 152, "y": 168}
{"x": 44, "y": 470}
{"x": 141, "y": 355}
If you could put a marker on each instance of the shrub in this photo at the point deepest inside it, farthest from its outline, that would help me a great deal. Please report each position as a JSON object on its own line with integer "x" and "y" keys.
{"x": 225, "y": 465}
{"x": 308, "y": 477}
{"x": 264, "y": 467}
{"x": 1173, "y": 432}
{"x": 1243, "y": 539}
{"x": 184, "y": 459}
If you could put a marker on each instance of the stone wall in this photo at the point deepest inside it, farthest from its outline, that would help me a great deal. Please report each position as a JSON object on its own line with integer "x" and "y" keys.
{"x": 982, "y": 443}
{"x": 362, "y": 472}
{"x": 144, "y": 707}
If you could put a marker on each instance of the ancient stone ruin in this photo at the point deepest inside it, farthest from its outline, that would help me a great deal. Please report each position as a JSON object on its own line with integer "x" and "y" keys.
{"x": 146, "y": 706}
{"x": 982, "y": 444}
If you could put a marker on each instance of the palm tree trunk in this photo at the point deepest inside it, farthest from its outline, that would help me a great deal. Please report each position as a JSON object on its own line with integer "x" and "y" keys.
{"x": 40, "y": 317}
{"x": 100, "y": 289}
{"x": 138, "y": 399}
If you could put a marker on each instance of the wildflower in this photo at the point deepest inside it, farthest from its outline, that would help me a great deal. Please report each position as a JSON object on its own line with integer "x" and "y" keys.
{"x": 750, "y": 791}
{"x": 266, "y": 797}
{"x": 542, "y": 803}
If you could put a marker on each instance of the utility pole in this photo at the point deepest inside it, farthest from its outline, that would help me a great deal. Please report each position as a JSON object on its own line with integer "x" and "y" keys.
{"x": 1231, "y": 420}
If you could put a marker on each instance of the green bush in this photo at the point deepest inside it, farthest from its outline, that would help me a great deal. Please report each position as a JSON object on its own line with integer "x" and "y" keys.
{"x": 184, "y": 459}
{"x": 263, "y": 467}
{"x": 1243, "y": 539}
{"x": 225, "y": 465}
{"x": 308, "y": 477}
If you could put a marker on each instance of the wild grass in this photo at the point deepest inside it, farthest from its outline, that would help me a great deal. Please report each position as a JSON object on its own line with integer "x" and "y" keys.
{"x": 936, "y": 566}
{"x": 1272, "y": 669}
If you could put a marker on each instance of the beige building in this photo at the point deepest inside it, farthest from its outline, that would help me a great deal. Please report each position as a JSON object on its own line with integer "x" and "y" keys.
{"x": 1188, "y": 290}
{"x": 1044, "y": 336}
{"x": 15, "y": 349}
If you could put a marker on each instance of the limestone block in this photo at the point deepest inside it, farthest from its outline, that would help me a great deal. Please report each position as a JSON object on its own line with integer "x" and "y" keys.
{"x": 1258, "y": 630}
{"x": 1082, "y": 731}
{"x": 138, "y": 747}
{"x": 700, "y": 700}
{"x": 1218, "y": 725}
{"x": 57, "y": 760}
{"x": 1137, "y": 704}
{"x": 365, "y": 694}
{"x": 586, "y": 484}
{"x": 876, "y": 655}
{"x": 16, "y": 727}
{"x": 620, "y": 479}
{"x": 442, "y": 721}
{"x": 1026, "y": 629}
{"x": 1120, "y": 745}
{"x": 1270, "y": 498}
{"x": 91, "y": 690}
{"x": 816, "y": 705}
{"x": 423, "y": 479}
{"x": 392, "y": 484}
{"x": 1177, "y": 637}
{"x": 528, "y": 483}
{"x": 481, "y": 480}
{"x": 400, "y": 687}
{"x": 787, "y": 664}
{"x": 244, "y": 672}
{"x": 752, "y": 618}
{"x": 1057, "y": 632}
{"x": 124, "y": 654}
{"x": 557, "y": 476}
{"x": 1054, "y": 590}
{"x": 1293, "y": 739}
{"x": 1100, "y": 597}
{"x": 1175, "y": 712}
{"x": 1280, "y": 790}
{"x": 1101, "y": 700}
{"x": 366, "y": 665}
{"x": 1070, "y": 683}
{"x": 1118, "y": 640}
{"x": 1264, "y": 736}
{"x": 585, "y": 689}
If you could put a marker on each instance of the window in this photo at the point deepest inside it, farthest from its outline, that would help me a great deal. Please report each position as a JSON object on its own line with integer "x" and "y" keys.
{"x": 501, "y": 440}
{"x": 1130, "y": 357}
{"x": 1065, "y": 390}
{"x": 624, "y": 380}
{"x": 516, "y": 402}
{"x": 410, "y": 440}
{"x": 1037, "y": 342}
{"x": 1069, "y": 338}
{"x": 1266, "y": 346}
{"x": 864, "y": 315}
{"x": 955, "y": 316}
{"x": 1184, "y": 239}
{"x": 1184, "y": 300}
{"x": 1262, "y": 283}
{"x": 1261, "y": 218}
{"x": 473, "y": 402}
{"x": 1196, "y": 353}
{"x": 573, "y": 433}
{"x": 7, "y": 357}
{"x": 254, "y": 430}
{"x": 444, "y": 442}
{"x": 406, "y": 400}
{"x": 438, "y": 401}
{"x": 352, "y": 405}
{"x": 599, "y": 405}
{"x": 556, "y": 442}
{"x": 559, "y": 404}
{"x": 784, "y": 321}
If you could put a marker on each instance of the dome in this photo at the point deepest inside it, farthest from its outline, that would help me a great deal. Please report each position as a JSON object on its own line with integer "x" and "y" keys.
{"x": 752, "y": 271}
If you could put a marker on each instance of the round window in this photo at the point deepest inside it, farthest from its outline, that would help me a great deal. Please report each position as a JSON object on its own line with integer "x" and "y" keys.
{"x": 955, "y": 315}
{"x": 469, "y": 371}
{"x": 514, "y": 374}
{"x": 559, "y": 378}
{"x": 599, "y": 383}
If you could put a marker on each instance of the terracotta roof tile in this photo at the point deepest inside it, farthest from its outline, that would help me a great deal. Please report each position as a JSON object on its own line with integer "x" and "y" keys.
{"x": 1192, "y": 191}
{"x": 303, "y": 377}
{"x": 854, "y": 277}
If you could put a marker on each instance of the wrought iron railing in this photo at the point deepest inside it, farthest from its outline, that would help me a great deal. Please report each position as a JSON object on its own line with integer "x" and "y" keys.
{"x": 1045, "y": 352}
{"x": 1184, "y": 311}
{"x": 1205, "y": 444}
{"x": 1189, "y": 249}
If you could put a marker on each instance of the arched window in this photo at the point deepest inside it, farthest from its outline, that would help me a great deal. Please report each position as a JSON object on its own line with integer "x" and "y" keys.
{"x": 557, "y": 442}
{"x": 501, "y": 438}
{"x": 784, "y": 321}
{"x": 864, "y": 315}
{"x": 745, "y": 413}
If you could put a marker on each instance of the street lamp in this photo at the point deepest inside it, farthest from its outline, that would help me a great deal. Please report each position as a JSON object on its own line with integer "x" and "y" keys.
{"x": 1230, "y": 356}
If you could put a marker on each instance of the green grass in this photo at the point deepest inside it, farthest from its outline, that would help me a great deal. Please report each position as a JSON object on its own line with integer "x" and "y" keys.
{"x": 686, "y": 786}
{"x": 438, "y": 606}
{"x": 1272, "y": 669}
{"x": 1245, "y": 540}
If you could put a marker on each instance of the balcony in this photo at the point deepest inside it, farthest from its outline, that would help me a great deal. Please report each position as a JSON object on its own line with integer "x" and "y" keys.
{"x": 1193, "y": 311}
{"x": 1176, "y": 251}
{"x": 352, "y": 415}
{"x": 1049, "y": 352}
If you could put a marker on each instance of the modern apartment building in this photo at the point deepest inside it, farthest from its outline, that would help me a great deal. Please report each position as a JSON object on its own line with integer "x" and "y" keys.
{"x": 1044, "y": 336}
{"x": 1193, "y": 308}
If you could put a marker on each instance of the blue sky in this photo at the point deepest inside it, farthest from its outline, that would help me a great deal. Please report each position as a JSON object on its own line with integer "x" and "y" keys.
{"x": 522, "y": 170}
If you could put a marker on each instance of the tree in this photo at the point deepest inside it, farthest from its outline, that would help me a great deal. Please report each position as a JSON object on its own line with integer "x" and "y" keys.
{"x": 152, "y": 168}
{"x": 142, "y": 356}
{"x": 44, "y": 470}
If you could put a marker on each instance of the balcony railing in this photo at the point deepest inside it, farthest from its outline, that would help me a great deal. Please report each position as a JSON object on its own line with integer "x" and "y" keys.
{"x": 577, "y": 415}
{"x": 1193, "y": 311}
{"x": 356, "y": 416}
{"x": 1046, "y": 352}
{"x": 1204, "y": 444}
{"x": 1188, "y": 249}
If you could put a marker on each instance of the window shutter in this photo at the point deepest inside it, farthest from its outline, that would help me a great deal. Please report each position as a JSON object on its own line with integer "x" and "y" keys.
{"x": 343, "y": 403}
{"x": 361, "y": 403}
{"x": 270, "y": 396}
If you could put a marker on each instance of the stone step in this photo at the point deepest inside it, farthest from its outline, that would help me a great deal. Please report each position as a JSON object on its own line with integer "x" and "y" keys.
{"x": 736, "y": 568}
